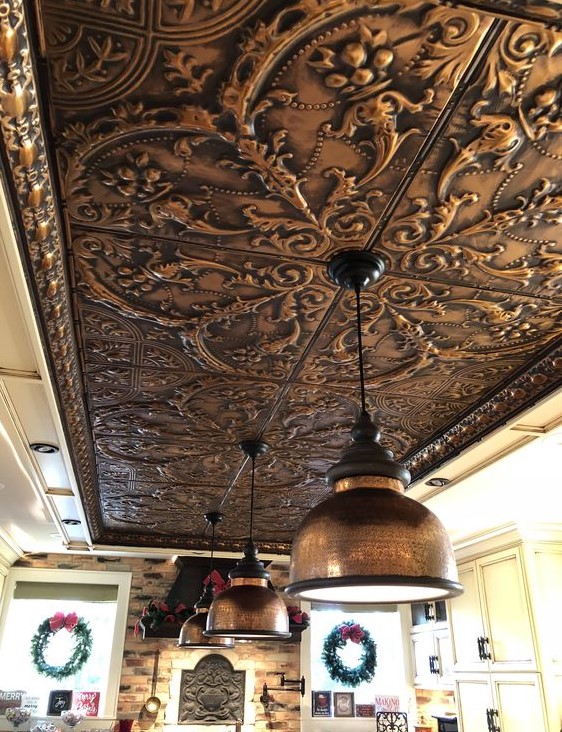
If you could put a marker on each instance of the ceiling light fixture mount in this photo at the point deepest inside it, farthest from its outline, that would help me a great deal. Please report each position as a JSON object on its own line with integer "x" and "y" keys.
{"x": 44, "y": 448}
{"x": 369, "y": 542}
{"x": 191, "y": 633}
{"x": 438, "y": 482}
{"x": 249, "y": 609}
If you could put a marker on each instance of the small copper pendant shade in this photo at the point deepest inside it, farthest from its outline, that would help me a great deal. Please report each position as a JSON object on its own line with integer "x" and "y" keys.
{"x": 191, "y": 633}
{"x": 248, "y": 609}
{"x": 368, "y": 542}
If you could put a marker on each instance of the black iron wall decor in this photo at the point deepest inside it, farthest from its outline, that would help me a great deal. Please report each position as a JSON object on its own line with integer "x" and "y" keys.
{"x": 212, "y": 693}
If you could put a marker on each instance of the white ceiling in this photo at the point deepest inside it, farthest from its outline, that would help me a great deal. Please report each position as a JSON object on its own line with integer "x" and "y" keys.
{"x": 512, "y": 477}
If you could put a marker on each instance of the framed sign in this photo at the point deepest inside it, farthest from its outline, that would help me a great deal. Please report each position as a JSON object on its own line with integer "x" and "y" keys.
{"x": 321, "y": 703}
{"x": 364, "y": 710}
{"x": 344, "y": 705}
{"x": 59, "y": 701}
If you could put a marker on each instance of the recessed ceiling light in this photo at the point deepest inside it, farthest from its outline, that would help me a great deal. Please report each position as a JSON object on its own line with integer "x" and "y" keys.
{"x": 71, "y": 522}
{"x": 438, "y": 482}
{"x": 44, "y": 448}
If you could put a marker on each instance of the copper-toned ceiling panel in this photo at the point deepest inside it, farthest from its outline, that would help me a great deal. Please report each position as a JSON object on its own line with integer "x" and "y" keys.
{"x": 487, "y": 208}
{"x": 190, "y": 170}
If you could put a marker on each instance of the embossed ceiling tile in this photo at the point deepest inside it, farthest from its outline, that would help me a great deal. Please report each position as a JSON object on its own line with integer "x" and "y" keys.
{"x": 204, "y": 410}
{"x": 157, "y": 507}
{"x": 337, "y": 100}
{"x": 245, "y": 317}
{"x": 413, "y": 329}
{"x": 358, "y": 84}
{"x": 276, "y": 515}
{"x": 189, "y": 460}
{"x": 92, "y": 62}
{"x": 487, "y": 213}
{"x": 203, "y": 21}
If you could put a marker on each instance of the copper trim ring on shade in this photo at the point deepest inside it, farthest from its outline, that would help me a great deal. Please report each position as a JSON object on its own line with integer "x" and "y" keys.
{"x": 368, "y": 481}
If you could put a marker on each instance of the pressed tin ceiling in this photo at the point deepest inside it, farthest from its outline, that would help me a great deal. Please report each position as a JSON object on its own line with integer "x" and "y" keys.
{"x": 182, "y": 170}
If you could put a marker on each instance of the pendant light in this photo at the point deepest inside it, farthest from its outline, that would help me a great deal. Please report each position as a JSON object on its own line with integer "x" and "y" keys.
{"x": 191, "y": 633}
{"x": 368, "y": 542}
{"x": 248, "y": 609}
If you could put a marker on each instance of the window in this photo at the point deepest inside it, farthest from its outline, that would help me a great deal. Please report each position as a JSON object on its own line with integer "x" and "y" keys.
{"x": 386, "y": 626}
{"x": 33, "y": 595}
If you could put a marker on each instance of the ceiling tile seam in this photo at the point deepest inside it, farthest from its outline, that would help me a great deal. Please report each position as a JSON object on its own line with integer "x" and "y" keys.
{"x": 513, "y": 14}
{"x": 312, "y": 261}
{"x": 471, "y": 71}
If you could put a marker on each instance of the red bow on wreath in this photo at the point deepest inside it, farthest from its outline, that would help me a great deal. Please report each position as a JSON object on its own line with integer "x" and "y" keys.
{"x": 352, "y": 633}
{"x": 60, "y": 620}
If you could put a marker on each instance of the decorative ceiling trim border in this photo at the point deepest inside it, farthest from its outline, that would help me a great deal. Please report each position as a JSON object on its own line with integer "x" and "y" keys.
{"x": 25, "y": 151}
{"x": 130, "y": 539}
{"x": 535, "y": 383}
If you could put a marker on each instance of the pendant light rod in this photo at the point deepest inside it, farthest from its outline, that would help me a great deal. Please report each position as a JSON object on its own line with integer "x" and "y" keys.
{"x": 253, "y": 448}
{"x": 360, "y": 347}
{"x": 213, "y": 518}
{"x": 354, "y": 270}
{"x": 191, "y": 633}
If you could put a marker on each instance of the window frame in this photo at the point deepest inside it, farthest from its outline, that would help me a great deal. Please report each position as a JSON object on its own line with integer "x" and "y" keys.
{"x": 81, "y": 577}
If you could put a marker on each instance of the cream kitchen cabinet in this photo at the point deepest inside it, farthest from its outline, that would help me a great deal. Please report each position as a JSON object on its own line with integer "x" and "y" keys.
{"x": 430, "y": 641}
{"x": 432, "y": 658}
{"x": 491, "y": 624}
{"x": 501, "y": 703}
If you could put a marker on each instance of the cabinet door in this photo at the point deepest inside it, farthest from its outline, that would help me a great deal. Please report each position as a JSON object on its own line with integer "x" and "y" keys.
{"x": 507, "y": 612}
{"x": 466, "y": 622}
{"x": 474, "y": 698}
{"x": 519, "y": 702}
{"x": 422, "y": 649}
{"x": 444, "y": 653}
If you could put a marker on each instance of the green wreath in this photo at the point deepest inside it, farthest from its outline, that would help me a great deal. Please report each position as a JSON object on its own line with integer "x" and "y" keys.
{"x": 80, "y": 653}
{"x": 336, "y": 639}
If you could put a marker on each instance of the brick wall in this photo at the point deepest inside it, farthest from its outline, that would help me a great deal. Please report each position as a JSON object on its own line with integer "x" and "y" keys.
{"x": 430, "y": 700}
{"x": 152, "y": 579}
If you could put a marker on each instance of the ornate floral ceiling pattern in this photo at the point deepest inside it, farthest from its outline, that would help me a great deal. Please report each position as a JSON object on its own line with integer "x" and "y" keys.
{"x": 189, "y": 169}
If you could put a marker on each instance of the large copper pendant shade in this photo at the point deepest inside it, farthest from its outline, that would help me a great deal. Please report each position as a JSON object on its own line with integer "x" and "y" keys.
{"x": 191, "y": 633}
{"x": 248, "y": 609}
{"x": 369, "y": 542}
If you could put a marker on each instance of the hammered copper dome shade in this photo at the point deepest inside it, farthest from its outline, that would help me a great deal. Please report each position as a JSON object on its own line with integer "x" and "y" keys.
{"x": 191, "y": 633}
{"x": 248, "y": 609}
{"x": 369, "y": 543}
